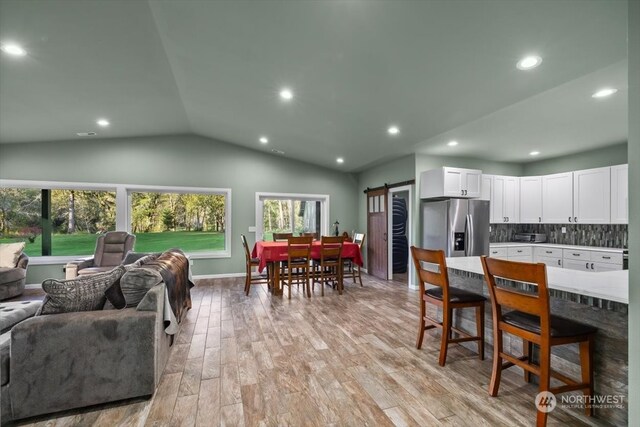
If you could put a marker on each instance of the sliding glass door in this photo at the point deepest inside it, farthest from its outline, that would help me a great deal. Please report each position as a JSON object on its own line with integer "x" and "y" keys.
{"x": 284, "y": 213}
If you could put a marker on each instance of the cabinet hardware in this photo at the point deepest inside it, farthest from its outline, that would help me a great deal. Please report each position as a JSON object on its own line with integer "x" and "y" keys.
{"x": 587, "y": 266}
{"x": 519, "y": 251}
{"x": 592, "y": 266}
{"x": 462, "y": 192}
{"x": 539, "y": 219}
{"x": 575, "y": 219}
{"x": 549, "y": 252}
{"x": 559, "y": 262}
{"x": 507, "y": 219}
{"x": 575, "y": 254}
{"x": 465, "y": 192}
{"x": 569, "y": 219}
{"x": 606, "y": 257}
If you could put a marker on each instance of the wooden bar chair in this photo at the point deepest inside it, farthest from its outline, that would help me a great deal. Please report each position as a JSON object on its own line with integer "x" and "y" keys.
{"x": 449, "y": 299}
{"x": 298, "y": 258}
{"x": 352, "y": 267}
{"x": 530, "y": 319}
{"x": 250, "y": 263}
{"x": 329, "y": 267}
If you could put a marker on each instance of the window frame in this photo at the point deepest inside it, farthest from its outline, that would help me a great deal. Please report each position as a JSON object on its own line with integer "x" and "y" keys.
{"x": 123, "y": 210}
{"x": 324, "y": 200}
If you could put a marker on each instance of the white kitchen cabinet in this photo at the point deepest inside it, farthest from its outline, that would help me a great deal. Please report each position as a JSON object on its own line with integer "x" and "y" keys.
{"x": 485, "y": 187}
{"x": 505, "y": 199}
{"x": 549, "y": 261}
{"x": 620, "y": 194}
{"x": 592, "y": 196}
{"x": 530, "y": 199}
{"x": 574, "y": 264}
{"x": 498, "y": 253}
{"x": 450, "y": 182}
{"x": 557, "y": 198}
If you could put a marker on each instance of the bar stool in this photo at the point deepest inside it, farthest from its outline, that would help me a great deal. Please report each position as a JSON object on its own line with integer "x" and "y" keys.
{"x": 447, "y": 297}
{"x": 531, "y": 320}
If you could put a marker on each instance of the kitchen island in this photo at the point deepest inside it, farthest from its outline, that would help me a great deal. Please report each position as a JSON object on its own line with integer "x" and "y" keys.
{"x": 598, "y": 299}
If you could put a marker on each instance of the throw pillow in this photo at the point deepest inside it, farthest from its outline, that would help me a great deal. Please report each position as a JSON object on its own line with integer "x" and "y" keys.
{"x": 115, "y": 297}
{"x": 136, "y": 282}
{"x": 146, "y": 259}
{"x": 84, "y": 293}
{"x": 9, "y": 254}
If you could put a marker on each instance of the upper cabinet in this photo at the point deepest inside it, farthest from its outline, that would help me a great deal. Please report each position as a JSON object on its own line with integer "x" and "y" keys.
{"x": 485, "y": 187}
{"x": 530, "y": 199}
{"x": 557, "y": 198}
{"x": 450, "y": 182}
{"x": 592, "y": 196}
{"x": 505, "y": 199}
{"x": 620, "y": 194}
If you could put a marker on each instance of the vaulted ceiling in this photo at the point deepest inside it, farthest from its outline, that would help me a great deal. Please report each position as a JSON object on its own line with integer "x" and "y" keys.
{"x": 439, "y": 70}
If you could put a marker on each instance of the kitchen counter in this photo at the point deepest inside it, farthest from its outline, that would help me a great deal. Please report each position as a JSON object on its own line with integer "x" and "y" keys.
{"x": 554, "y": 245}
{"x": 607, "y": 285}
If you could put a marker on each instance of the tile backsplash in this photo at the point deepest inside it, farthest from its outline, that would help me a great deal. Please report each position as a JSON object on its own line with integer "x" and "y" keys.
{"x": 603, "y": 235}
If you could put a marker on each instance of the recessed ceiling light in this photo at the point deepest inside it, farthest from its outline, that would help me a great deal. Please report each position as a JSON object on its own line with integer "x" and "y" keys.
{"x": 340, "y": 160}
{"x": 393, "y": 130}
{"x": 529, "y": 62}
{"x": 264, "y": 140}
{"x": 286, "y": 94}
{"x": 603, "y": 93}
{"x": 13, "y": 49}
{"x": 103, "y": 122}
{"x": 452, "y": 143}
{"x": 534, "y": 153}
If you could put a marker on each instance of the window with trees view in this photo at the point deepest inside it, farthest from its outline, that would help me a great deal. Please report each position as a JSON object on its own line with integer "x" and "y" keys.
{"x": 192, "y": 222}
{"x": 283, "y": 213}
{"x": 76, "y": 217}
{"x": 64, "y": 221}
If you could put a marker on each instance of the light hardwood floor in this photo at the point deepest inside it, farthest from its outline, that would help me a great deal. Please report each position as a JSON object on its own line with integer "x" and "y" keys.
{"x": 344, "y": 360}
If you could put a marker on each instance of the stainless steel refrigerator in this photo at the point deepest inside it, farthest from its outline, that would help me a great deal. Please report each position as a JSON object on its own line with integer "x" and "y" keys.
{"x": 460, "y": 227}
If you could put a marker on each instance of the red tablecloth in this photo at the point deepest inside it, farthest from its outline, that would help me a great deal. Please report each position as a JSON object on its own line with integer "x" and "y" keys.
{"x": 277, "y": 251}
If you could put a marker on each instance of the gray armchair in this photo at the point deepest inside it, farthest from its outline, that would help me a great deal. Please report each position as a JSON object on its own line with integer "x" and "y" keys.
{"x": 111, "y": 249}
{"x": 12, "y": 280}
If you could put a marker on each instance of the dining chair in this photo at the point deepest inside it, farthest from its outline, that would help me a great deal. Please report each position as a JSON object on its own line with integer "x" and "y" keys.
{"x": 352, "y": 268}
{"x": 314, "y": 235}
{"x": 249, "y": 264}
{"x": 446, "y": 297}
{"x": 531, "y": 320}
{"x": 281, "y": 236}
{"x": 298, "y": 259}
{"x": 329, "y": 267}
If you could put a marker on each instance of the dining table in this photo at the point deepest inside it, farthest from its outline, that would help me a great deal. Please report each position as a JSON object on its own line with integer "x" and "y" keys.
{"x": 271, "y": 253}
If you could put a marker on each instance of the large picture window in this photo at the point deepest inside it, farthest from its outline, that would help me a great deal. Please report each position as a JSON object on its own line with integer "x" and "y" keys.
{"x": 291, "y": 213}
{"x": 63, "y": 219}
{"x": 192, "y": 222}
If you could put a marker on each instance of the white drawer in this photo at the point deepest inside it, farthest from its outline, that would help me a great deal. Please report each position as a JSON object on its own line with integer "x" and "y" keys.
{"x": 498, "y": 252}
{"x": 606, "y": 257}
{"x": 576, "y": 265}
{"x": 546, "y": 251}
{"x": 520, "y": 251}
{"x": 521, "y": 258}
{"x": 576, "y": 254}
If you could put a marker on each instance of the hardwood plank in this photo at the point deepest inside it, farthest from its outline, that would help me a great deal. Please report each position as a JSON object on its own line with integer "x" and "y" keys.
{"x": 209, "y": 403}
{"x": 230, "y": 385}
{"x": 184, "y": 414}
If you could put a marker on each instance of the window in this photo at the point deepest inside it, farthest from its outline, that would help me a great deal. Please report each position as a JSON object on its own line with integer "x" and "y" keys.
{"x": 291, "y": 213}
{"x": 62, "y": 219}
{"x": 192, "y": 222}
{"x": 75, "y": 217}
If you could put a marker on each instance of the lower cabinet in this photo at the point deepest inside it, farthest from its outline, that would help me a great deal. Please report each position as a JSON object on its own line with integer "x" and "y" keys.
{"x": 568, "y": 257}
{"x": 550, "y": 261}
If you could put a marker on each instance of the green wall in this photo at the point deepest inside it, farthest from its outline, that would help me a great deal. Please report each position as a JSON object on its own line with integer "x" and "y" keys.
{"x": 634, "y": 213}
{"x": 182, "y": 160}
{"x": 601, "y": 157}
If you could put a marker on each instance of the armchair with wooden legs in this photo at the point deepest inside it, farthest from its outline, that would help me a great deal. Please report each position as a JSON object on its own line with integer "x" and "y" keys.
{"x": 530, "y": 319}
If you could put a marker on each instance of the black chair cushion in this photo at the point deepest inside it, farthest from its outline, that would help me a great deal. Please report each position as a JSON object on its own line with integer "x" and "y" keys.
{"x": 455, "y": 295}
{"x": 560, "y": 327}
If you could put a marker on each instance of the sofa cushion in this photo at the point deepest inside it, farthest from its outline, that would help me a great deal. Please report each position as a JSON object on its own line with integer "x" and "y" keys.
{"x": 9, "y": 254}
{"x": 5, "y": 341}
{"x": 84, "y": 293}
{"x": 11, "y": 313}
{"x": 8, "y": 275}
{"x": 136, "y": 282}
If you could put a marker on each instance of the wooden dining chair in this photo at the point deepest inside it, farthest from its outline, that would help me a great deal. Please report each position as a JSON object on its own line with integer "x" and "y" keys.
{"x": 281, "y": 236}
{"x": 531, "y": 320}
{"x": 329, "y": 267}
{"x": 449, "y": 299}
{"x": 298, "y": 263}
{"x": 352, "y": 267}
{"x": 314, "y": 235}
{"x": 250, "y": 263}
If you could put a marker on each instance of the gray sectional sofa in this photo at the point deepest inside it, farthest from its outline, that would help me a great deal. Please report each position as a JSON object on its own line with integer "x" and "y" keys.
{"x": 57, "y": 362}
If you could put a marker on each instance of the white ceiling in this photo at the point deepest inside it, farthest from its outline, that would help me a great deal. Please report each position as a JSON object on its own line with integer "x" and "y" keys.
{"x": 439, "y": 70}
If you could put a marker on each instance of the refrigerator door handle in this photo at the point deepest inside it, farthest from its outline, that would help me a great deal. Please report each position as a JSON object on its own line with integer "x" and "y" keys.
{"x": 469, "y": 236}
